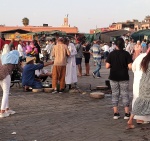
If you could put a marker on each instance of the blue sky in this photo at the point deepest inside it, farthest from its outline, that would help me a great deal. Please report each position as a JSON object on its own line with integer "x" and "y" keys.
{"x": 85, "y": 14}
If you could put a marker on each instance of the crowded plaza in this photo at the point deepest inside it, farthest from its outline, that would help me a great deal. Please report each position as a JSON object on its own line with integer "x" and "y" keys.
{"x": 64, "y": 56}
{"x": 77, "y": 81}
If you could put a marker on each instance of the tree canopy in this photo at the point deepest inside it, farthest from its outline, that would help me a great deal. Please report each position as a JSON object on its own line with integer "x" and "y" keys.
{"x": 25, "y": 21}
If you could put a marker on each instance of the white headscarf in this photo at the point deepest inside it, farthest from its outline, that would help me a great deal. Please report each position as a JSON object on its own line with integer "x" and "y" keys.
{"x": 6, "y": 49}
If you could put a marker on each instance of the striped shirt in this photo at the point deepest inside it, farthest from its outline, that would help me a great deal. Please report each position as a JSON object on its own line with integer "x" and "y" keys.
{"x": 96, "y": 51}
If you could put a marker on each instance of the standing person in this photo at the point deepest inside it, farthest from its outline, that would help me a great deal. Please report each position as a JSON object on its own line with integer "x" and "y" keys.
{"x": 71, "y": 72}
{"x": 127, "y": 45}
{"x": 47, "y": 49}
{"x": 137, "y": 50}
{"x": 136, "y": 68}
{"x": 106, "y": 50}
{"x": 119, "y": 61}
{"x": 7, "y": 64}
{"x": 79, "y": 55}
{"x": 86, "y": 54}
{"x": 60, "y": 53}
{"x": 35, "y": 42}
{"x": 20, "y": 50}
{"x": 144, "y": 46}
{"x": 96, "y": 53}
{"x": 131, "y": 47}
{"x": 52, "y": 44}
{"x": 11, "y": 45}
{"x": 141, "y": 106}
{"x": 112, "y": 48}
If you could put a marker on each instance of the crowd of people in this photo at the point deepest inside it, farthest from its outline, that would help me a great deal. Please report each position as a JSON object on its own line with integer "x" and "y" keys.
{"x": 65, "y": 58}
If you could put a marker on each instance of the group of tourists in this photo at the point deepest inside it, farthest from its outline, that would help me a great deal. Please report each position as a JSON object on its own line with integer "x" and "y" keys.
{"x": 65, "y": 58}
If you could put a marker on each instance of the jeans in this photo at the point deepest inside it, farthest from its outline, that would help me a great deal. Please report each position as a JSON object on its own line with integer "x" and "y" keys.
{"x": 97, "y": 70}
{"x": 5, "y": 84}
{"x": 36, "y": 85}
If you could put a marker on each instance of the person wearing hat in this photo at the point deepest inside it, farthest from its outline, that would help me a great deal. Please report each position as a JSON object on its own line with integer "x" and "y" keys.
{"x": 28, "y": 75}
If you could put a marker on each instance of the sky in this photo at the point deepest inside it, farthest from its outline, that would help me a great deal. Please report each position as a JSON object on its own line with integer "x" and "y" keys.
{"x": 84, "y": 14}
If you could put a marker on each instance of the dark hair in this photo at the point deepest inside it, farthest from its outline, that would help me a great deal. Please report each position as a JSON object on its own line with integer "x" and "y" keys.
{"x": 120, "y": 43}
{"x": 145, "y": 62}
{"x": 53, "y": 40}
{"x": 66, "y": 41}
{"x": 60, "y": 39}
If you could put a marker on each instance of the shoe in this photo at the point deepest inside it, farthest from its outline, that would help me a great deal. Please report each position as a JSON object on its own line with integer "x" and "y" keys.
{"x": 3, "y": 115}
{"x": 98, "y": 77}
{"x": 10, "y": 112}
{"x": 93, "y": 74}
{"x": 116, "y": 116}
{"x": 54, "y": 92}
{"x": 127, "y": 116}
{"x": 61, "y": 91}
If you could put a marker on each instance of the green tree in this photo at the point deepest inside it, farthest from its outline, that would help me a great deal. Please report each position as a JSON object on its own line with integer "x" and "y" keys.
{"x": 25, "y": 21}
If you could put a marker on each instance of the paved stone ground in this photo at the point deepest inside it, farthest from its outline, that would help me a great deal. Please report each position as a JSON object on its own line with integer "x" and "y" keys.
{"x": 67, "y": 117}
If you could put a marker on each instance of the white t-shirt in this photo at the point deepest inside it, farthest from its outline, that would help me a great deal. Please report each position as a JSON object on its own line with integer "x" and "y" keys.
{"x": 48, "y": 48}
{"x": 112, "y": 48}
{"x": 20, "y": 50}
{"x": 105, "y": 48}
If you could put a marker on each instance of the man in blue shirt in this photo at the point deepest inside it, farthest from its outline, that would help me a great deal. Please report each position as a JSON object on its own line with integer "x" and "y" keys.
{"x": 28, "y": 75}
{"x": 144, "y": 46}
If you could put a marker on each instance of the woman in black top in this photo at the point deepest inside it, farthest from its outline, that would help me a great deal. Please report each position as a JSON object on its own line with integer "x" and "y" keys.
{"x": 86, "y": 54}
{"x": 119, "y": 62}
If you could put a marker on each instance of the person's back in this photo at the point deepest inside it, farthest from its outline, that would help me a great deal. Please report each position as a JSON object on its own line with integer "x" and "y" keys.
{"x": 106, "y": 48}
{"x": 60, "y": 54}
{"x": 119, "y": 64}
{"x": 28, "y": 74}
{"x": 119, "y": 61}
{"x": 95, "y": 50}
{"x": 79, "y": 49}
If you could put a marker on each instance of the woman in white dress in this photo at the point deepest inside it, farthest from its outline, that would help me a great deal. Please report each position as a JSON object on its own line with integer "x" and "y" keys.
{"x": 71, "y": 72}
{"x": 136, "y": 68}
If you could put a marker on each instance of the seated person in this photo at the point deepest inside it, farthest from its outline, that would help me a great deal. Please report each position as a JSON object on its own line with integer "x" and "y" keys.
{"x": 42, "y": 74}
{"x": 28, "y": 75}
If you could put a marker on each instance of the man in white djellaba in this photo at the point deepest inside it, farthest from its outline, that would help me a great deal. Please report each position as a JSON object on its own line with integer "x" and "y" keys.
{"x": 71, "y": 72}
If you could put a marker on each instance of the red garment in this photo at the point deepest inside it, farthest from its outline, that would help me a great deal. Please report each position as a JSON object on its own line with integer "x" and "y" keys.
{"x": 2, "y": 42}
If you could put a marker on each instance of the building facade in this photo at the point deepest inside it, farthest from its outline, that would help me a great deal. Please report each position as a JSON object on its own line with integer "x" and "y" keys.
{"x": 64, "y": 28}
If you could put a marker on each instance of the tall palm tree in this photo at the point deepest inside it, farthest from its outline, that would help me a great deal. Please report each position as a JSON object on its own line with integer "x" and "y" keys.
{"x": 25, "y": 21}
